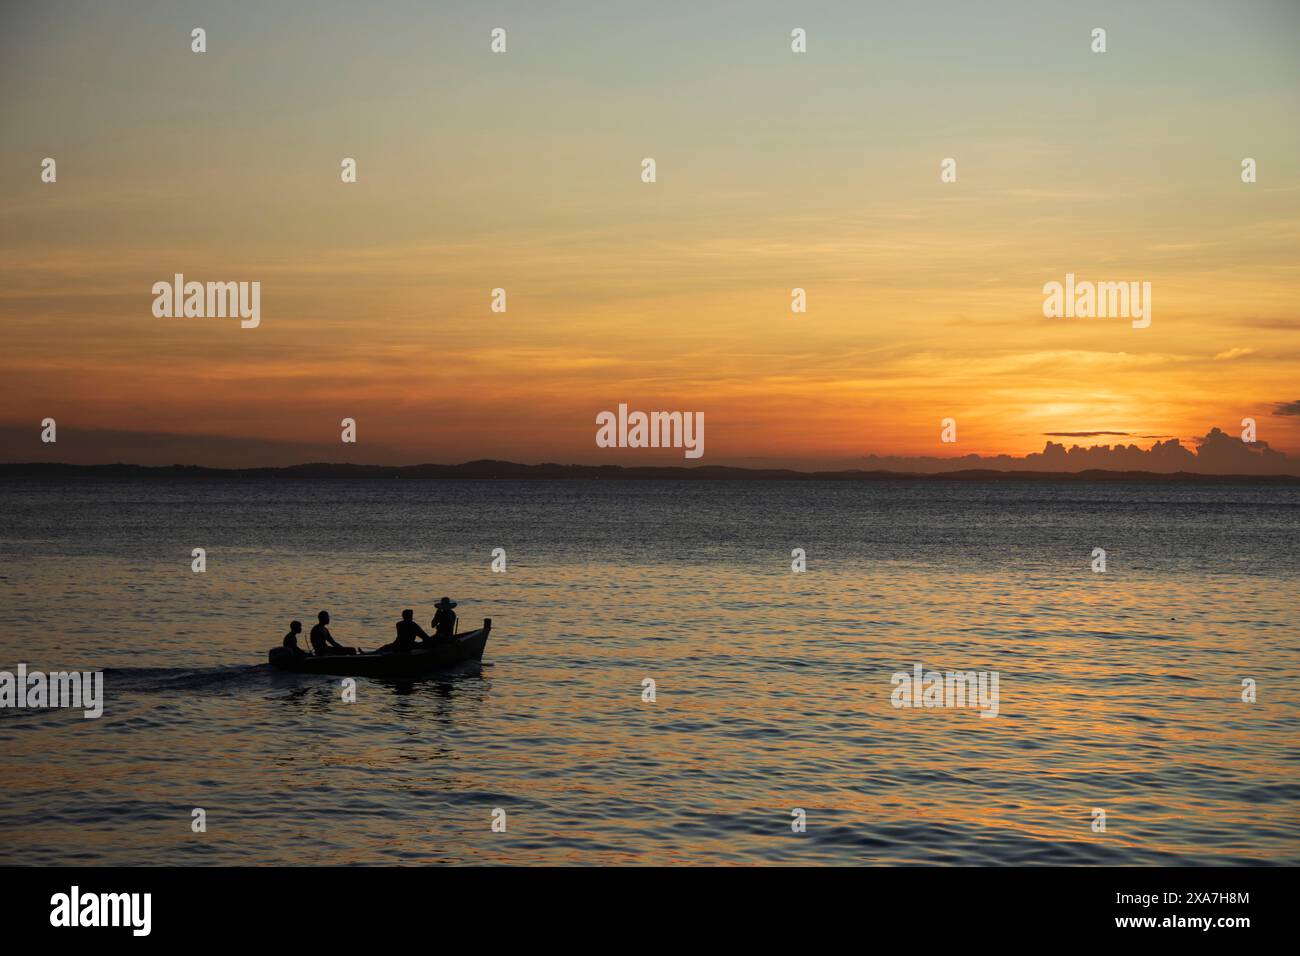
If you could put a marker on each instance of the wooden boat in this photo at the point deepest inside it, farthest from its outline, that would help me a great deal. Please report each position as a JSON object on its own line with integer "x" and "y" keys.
{"x": 417, "y": 663}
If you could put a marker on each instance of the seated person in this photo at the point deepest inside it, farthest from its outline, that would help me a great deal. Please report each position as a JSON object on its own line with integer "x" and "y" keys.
{"x": 322, "y": 641}
{"x": 444, "y": 621}
{"x": 407, "y": 632}
{"x": 291, "y": 639}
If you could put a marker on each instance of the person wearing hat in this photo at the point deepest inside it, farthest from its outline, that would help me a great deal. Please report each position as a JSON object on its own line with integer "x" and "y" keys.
{"x": 444, "y": 620}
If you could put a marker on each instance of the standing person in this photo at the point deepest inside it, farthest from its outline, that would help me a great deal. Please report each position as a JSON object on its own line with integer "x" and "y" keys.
{"x": 322, "y": 641}
{"x": 444, "y": 621}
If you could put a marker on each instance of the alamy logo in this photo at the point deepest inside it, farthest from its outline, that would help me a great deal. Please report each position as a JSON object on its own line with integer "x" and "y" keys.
{"x": 36, "y": 689}
{"x": 1098, "y": 300}
{"x": 977, "y": 689}
{"x": 211, "y": 300}
{"x": 653, "y": 430}
{"x": 103, "y": 909}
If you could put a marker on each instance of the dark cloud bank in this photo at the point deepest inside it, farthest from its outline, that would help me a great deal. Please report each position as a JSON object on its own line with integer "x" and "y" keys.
{"x": 1218, "y": 453}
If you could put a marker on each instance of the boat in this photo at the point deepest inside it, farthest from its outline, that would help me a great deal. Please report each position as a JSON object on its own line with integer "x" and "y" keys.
{"x": 415, "y": 663}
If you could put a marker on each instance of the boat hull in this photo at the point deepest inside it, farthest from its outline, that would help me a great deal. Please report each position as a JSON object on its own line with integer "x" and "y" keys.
{"x": 417, "y": 663}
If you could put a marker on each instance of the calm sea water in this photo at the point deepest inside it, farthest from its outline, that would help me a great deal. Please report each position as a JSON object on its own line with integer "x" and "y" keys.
{"x": 1118, "y": 691}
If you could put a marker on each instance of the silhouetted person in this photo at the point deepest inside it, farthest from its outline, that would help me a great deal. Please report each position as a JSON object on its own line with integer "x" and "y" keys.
{"x": 322, "y": 641}
{"x": 291, "y": 639}
{"x": 407, "y": 632}
{"x": 444, "y": 621}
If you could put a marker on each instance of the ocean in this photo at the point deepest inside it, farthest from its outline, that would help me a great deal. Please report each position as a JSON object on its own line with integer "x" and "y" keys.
{"x": 772, "y": 736}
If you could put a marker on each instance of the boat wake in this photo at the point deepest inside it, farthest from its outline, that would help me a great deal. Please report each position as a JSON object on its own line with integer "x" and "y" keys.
{"x": 185, "y": 679}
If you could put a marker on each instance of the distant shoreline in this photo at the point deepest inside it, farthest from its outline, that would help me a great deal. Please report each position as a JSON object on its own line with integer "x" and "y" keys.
{"x": 497, "y": 470}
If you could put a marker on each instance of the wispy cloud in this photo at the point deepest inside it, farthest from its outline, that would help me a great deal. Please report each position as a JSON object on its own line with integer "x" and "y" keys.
{"x": 1083, "y": 434}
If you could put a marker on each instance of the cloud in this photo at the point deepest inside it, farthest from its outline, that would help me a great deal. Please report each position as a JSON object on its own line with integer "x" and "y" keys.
{"x": 1233, "y": 354}
{"x": 1084, "y": 434}
{"x": 1287, "y": 408}
{"x": 1215, "y": 453}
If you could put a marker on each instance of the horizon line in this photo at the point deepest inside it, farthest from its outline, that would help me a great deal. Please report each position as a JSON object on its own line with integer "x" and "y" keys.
{"x": 489, "y": 468}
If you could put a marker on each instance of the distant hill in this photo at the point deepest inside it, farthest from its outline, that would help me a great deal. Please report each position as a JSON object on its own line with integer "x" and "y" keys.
{"x": 487, "y": 469}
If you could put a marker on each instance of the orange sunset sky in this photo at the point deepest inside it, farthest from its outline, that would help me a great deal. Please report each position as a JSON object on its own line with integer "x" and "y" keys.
{"x": 522, "y": 171}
